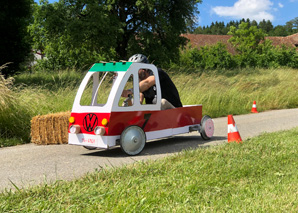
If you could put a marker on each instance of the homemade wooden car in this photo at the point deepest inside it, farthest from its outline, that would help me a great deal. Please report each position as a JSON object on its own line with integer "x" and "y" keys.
{"x": 101, "y": 118}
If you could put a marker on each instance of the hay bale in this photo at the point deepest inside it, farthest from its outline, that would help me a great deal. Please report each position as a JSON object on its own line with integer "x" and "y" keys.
{"x": 50, "y": 129}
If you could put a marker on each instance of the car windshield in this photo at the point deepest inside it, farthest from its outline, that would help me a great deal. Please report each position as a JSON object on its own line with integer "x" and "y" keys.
{"x": 98, "y": 88}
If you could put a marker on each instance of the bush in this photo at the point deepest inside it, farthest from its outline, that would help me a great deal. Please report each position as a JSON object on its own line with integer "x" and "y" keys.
{"x": 286, "y": 57}
{"x": 266, "y": 55}
{"x": 208, "y": 57}
{"x": 217, "y": 57}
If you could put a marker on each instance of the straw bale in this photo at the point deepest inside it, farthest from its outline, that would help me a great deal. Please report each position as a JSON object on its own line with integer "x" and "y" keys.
{"x": 50, "y": 129}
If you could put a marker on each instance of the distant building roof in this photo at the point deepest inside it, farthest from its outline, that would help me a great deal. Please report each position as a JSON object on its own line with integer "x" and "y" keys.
{"x": 200, "y": 40}
{"x": 292, "y": 39}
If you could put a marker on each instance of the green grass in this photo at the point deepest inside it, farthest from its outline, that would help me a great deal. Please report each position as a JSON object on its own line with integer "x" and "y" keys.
{"x": 221, "y": 92}
{"x": 51, "y": 81}
{"x": 259, "y": 175}
{"x": 31, "y": 95}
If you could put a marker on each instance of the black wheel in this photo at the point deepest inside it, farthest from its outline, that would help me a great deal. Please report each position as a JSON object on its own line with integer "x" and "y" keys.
{"x": 90, "y": 147}
{"x": 207, "y": 127}
{"x": 132, "y": 140}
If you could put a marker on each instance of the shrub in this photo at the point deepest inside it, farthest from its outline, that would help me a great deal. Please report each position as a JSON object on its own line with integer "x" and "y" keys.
{"x": 217, "y": 57}
{"x": 286, "y": 57}
{"x": 208, "y": 57}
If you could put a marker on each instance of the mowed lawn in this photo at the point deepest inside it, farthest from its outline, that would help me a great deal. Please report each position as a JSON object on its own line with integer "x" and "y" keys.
{"x": 259, "y": 175}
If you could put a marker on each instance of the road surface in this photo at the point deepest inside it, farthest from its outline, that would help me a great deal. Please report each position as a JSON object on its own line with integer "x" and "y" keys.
{"x": 30, "y": 164}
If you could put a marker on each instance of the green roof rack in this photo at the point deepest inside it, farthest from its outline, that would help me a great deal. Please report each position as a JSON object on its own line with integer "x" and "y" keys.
{"x": 110, "y": 67}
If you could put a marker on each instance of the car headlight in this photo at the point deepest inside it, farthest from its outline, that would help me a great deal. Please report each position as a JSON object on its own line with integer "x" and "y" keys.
{"x": 74, "y": 129}
{"x": 99, "y": 130}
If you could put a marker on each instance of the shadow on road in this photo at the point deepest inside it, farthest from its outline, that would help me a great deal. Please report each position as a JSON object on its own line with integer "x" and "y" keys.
{"x": 163, "y": 146}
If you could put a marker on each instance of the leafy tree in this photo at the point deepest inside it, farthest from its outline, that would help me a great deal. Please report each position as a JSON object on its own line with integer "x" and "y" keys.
{"x": 246, "y": 40}
{"x": 207, "y": 57}
{"x": 199, "y": 30}
{"x": 14, "y": 40}
{"x": 216, "y": 56}
{"x": 292, "y": 26}
{"x": 266, "y": 55}
{"x": 67, "y": 37}
{"x": 279, "y": 30}
{"x": 242, "y": 20}
{"x": 89, "y": 30}
{"x": 248, "y": 22}
{"x": 287, "y": 56}
{"x": 266, "y": 26}
{"x": 219, "y": 28}
{"x": 254, "y": 23}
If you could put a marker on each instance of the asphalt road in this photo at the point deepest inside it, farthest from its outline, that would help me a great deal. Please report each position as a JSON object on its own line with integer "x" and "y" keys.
{"x": 30, "y": 164}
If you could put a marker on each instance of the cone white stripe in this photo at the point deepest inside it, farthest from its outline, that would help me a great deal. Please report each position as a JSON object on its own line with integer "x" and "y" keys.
{"x": 254, "y": 106}
{"x": 232, "y": 128}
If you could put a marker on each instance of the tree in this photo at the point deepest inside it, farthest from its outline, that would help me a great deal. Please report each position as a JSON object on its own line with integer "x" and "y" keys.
{"x": 68, "y": 36}
{"x": 266, "y": 26}
{"x": 246, "y": 38}
{"x": 254, "y": 23}
{"x": 113, "y": 29}
{"x": 292, "y": 25}
{"x": 246, "y": 41}
{"x": 199, "y": 30}
{"x": 279, "y": 31}
{"x": 14, "y": 39}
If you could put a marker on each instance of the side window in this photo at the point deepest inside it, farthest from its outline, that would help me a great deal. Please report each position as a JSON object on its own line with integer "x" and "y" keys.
{"x": 150, "y": 95}
{"x": 98, "y": 88}
{"x": 127, "y": 101}
{"x": 86, "y": 98}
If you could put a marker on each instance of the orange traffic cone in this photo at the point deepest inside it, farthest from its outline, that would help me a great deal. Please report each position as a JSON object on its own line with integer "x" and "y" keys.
{"x": 254, "y": 108}
{"x": 233, "y": 134}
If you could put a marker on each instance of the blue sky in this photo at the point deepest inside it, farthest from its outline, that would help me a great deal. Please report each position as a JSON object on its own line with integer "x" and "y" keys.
{"x": 277, "y": 11}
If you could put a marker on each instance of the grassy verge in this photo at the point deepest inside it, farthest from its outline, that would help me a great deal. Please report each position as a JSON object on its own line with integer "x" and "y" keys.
{"x": 228, "y": 93}
{"x": 30, "y": 95}
{"x": 51, "y": 81}
{"x": 259, "y": 175}
{"x": 220, "y": 92}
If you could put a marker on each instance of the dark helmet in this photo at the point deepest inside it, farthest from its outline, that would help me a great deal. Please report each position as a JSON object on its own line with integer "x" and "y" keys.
{"x": 140, "y": 58}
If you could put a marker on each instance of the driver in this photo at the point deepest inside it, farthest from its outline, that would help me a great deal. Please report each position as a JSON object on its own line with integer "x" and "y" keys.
{"x": 169, "y": 93}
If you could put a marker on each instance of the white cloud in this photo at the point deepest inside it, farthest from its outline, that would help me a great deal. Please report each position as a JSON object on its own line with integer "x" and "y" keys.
{"x": 252, "y": 9}
{"x": 280, "y": 5}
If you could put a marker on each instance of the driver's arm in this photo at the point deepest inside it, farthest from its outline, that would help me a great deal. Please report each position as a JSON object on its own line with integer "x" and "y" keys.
{"x": 141, "y": 98}
{"x": 147, "y": 83}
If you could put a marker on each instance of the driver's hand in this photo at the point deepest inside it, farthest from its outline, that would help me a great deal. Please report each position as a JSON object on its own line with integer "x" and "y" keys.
{"x": 125, "y": 93}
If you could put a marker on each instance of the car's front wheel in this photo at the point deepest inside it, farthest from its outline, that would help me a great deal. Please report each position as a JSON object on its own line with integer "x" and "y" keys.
{"x": 132, "y": 140}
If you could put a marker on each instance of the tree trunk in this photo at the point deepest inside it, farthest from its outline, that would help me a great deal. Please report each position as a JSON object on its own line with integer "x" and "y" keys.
{"x": 122, "y": 48}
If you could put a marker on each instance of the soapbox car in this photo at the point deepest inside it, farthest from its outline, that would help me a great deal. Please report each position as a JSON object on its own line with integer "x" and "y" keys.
{"x": 102, "y": 118}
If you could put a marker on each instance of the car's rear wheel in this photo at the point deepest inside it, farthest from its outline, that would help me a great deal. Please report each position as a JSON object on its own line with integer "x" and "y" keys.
{"x": 207, "y": 127}
{"x": 132, "y": 140}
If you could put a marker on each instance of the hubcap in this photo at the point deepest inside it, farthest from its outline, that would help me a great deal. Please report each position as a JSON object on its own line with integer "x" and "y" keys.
{"x": 209, "y": 128}
{"x": 132, "y": 140}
